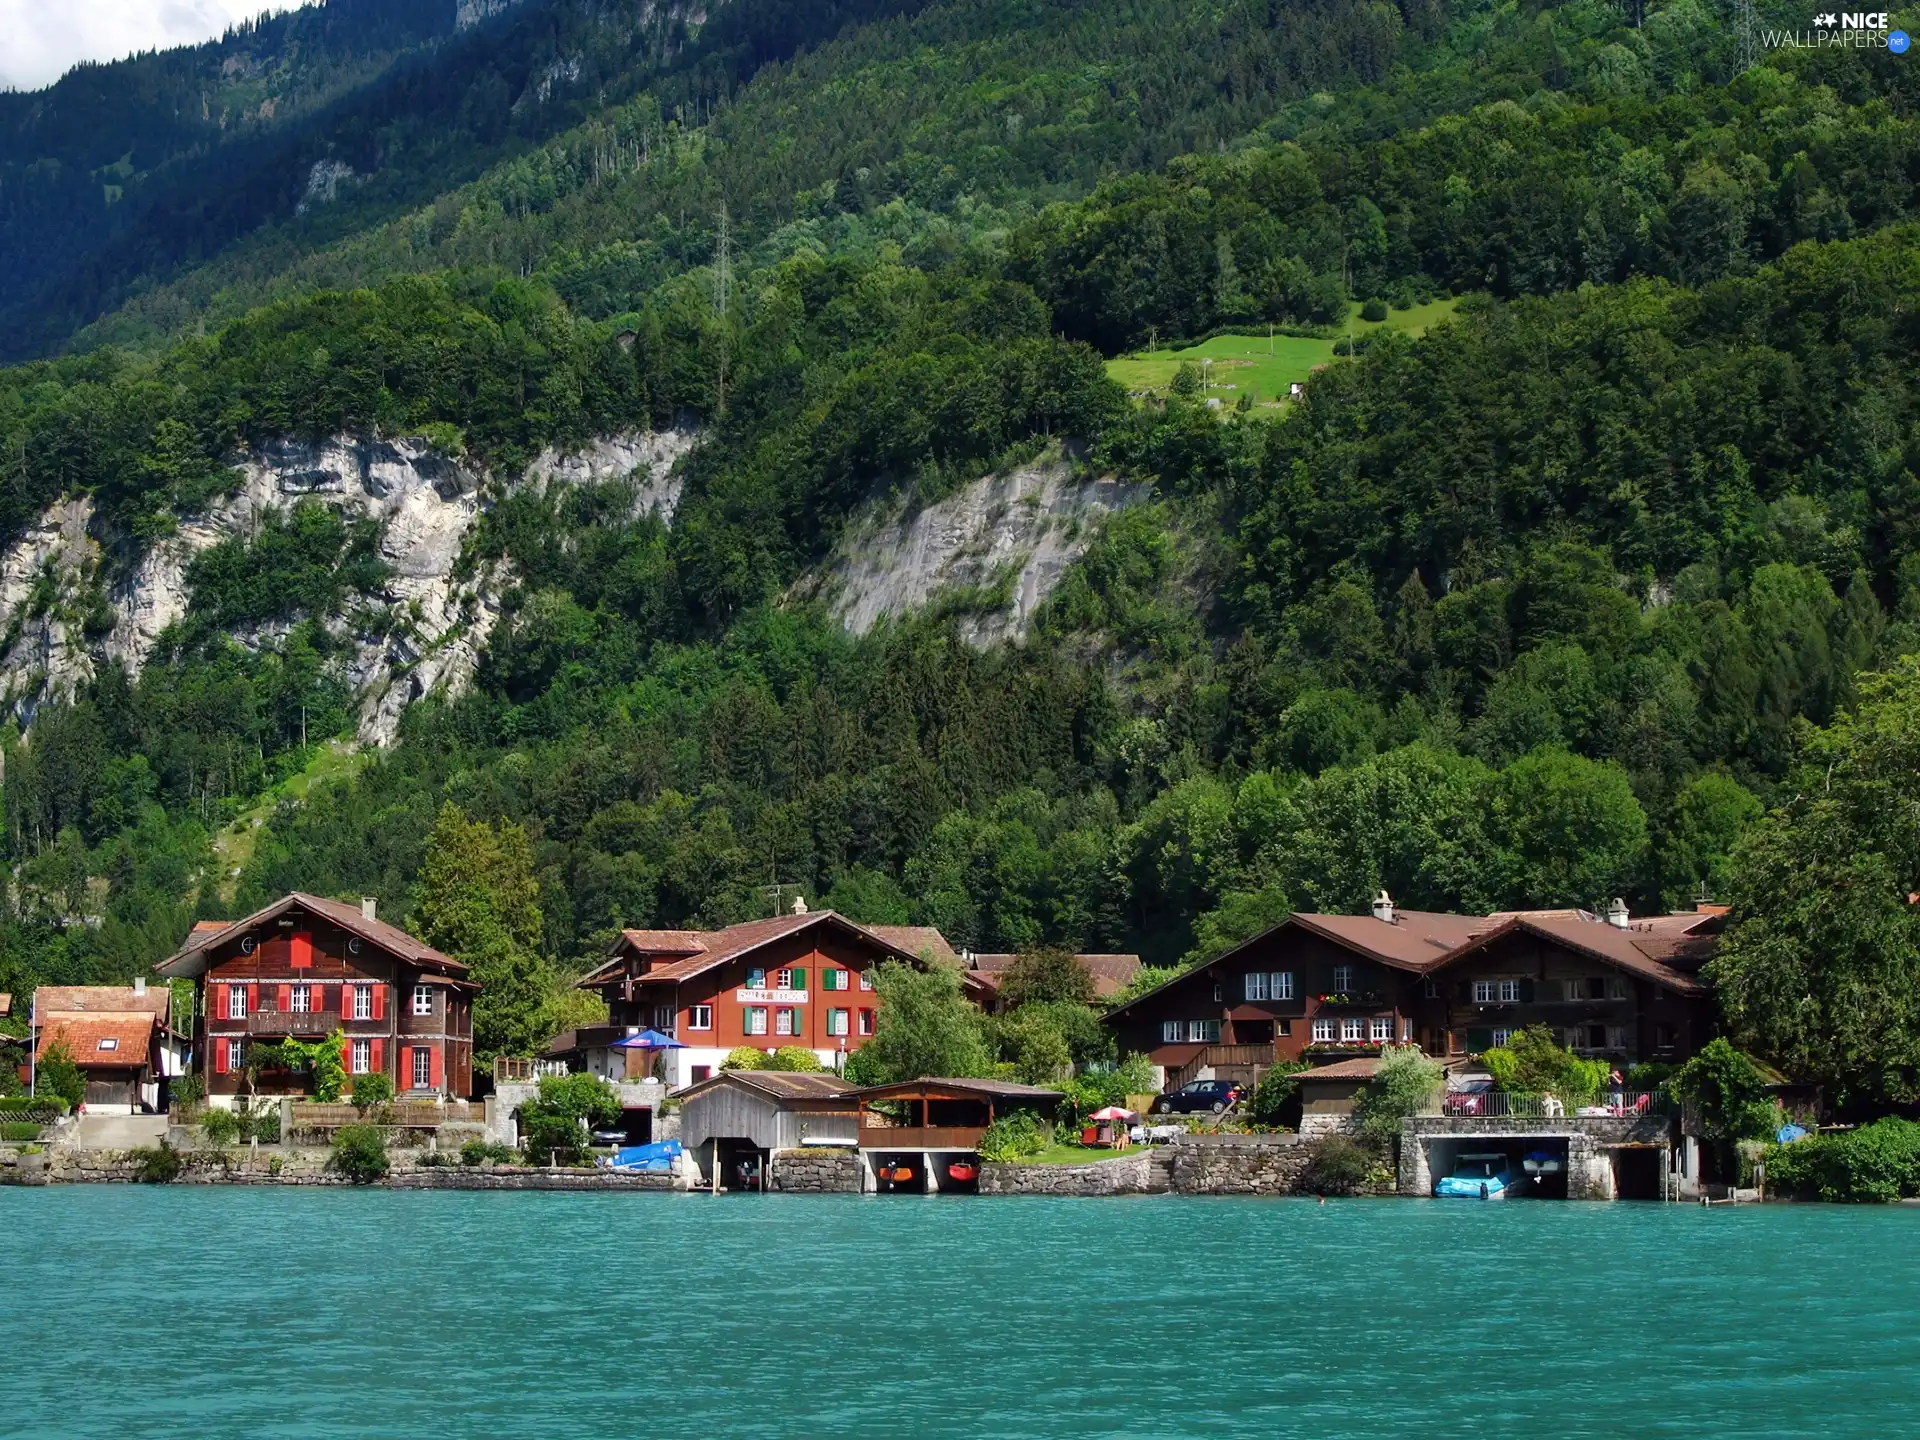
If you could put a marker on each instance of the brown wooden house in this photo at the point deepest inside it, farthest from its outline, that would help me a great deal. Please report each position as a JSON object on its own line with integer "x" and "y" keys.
{"x": 305, "y": 967}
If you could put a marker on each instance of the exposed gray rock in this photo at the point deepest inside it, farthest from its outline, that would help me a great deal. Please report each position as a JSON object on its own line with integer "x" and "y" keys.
{"x": 1021, "y": 531}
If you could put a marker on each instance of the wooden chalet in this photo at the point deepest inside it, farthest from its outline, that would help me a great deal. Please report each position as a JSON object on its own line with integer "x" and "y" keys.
{"x": 1324, "y": 988}
{"x": 306, "y": 968}
{"x": 804, "y": 979}
{"x": 941, "y": 1114}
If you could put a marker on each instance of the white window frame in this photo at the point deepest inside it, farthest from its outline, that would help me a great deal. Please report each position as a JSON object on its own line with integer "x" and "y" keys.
{"x": 1616, "y": 987}
{"x": 839, "y": 1021}
{"x": 423, "y": 1000}
{"x": 789, "y": 1016}
{"x": 866, "y": 980}
{"x": 1509, "y": 992}
{"x": 1173, "y": 1032}
{"x": 1322, "y": 1030}
{"x": 1255, "y": 987}
{"x": 869, "y": 1020}
{"x": 1280, "y": 984}
{"x": 1616, "y": 1037}
{"x": 1380, "y": 1029}
{"x": 664, "y": 1026}
{"x": 1431, "y": 989}
{"x": 1203, "y": 1032}
{"x": 107, "y": 1042}
{"x": 236, "y": 1055}
{"x": 1352, "y": 1028}
{"x": 362, "y": 1002}
{"x": 236, "y": 1002}
{"x": 1343, "y": 979}
{"x": 699, "y": 1017}
{"x": 422, "y": 1060}
{"x": 749, "y": 1015}
{"x": 299, "y": 1000}
{"x": 1502, "y": 1038}
{"x": 783, "y": 978}
{"x": 363, "y": 1057}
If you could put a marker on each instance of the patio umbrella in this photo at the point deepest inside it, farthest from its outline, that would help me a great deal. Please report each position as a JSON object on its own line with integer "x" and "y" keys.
{"x": 649, "y": 1040}
{"x": 1110, "y": 1115}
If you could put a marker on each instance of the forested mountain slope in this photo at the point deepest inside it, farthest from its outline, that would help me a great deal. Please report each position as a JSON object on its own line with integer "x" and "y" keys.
{"x": 1521, "y": 612}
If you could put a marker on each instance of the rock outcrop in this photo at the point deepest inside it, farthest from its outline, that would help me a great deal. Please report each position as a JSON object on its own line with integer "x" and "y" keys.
{"x": 57, "y": 630}
{"x": 1006, "y": 538}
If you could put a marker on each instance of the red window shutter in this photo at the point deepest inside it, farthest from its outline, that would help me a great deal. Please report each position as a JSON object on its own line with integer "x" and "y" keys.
{"x": 253, "y": 998}
{"x": 286, "y": 998}
{"x": 302, "y": 949}
{"x": 434, "y": 1071}
{"x": 377, "y": 1062}
{"x": 219, "y": 1056}
{"x": 346, "y": 1055}
{"x": 379, "y": 1002}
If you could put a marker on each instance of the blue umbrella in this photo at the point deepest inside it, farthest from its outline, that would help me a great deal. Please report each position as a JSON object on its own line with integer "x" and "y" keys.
{"x": 649, "y": 1040}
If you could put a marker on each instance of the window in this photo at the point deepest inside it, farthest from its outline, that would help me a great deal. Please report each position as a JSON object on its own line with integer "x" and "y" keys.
{"x": 755, "y": 1017}
{"x": 362, "y": 1056}
{"x": 236, "y": 1002}
{"x": 783, "y": 979}
{"x": 1342, "y": 979}
{"x": 1616, "y": 1037}
{"x": 1350, "y": 1029}
{"x": 1216, "y": 992}
{"x": 299, "y": 1000}
{"x": 1431, "y": 989}
{"x": 1270, "y": 985}
{"x": 422, "y": 1068}
{"x": 1380, "y": 1029}
{"x": 866, "y": 980}
{"x": 756, "y": 979}
{"x": 1509, "y": 992}
{"x": 1496, "y": 992}
{"x": 236, "y": 1054}
{"x": 702, "y": 1072}
{"x": 1322, "y": 1030}
{"x": 866, "y": 1019}
{"x": 363, "y": 1002}
{"x": 833, "y": 979}
{"x": 108, "y": 1042}
{"x": 663, "y": 1019}
{"x": 1616, "y": 988}
{"x": 786, "y": 1021}
{"x": 700, "y": 1017}
{"x": 423, "y": 1000}
{"x": 836, "y": 1022}
{"x": 1500, "y": 1038}
{"x": 1283, "y": 1027}
{"x": 1596, "y": 1037}
{"x": 1203, "y": 1032}
{"x": 1172, "y": 1032}
{"x": 1256, "y": 986}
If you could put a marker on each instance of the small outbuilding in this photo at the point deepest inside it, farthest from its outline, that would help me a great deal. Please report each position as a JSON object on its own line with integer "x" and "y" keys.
{"x": 734, "y": 1123}
{"x": 925, "y": 1134}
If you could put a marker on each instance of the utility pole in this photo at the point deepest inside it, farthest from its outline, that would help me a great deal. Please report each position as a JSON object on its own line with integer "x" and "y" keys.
{"x": 1744, "y": 11}
{"x": 723, "y": 301}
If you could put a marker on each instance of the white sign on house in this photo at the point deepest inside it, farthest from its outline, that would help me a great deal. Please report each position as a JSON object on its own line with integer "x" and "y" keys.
{"x": 770, "y": 997}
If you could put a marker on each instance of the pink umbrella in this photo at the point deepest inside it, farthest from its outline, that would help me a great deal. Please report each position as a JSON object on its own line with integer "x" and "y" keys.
{"x": 1111, "y": 1112}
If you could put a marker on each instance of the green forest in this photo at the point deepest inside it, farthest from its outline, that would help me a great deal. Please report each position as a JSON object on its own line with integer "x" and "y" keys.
{"x": 1555, "y": 603}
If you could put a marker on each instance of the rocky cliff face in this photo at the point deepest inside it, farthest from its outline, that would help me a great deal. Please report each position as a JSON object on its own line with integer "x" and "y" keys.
{"x": 1008, "y": 539}
{"x": 57, "y": 628}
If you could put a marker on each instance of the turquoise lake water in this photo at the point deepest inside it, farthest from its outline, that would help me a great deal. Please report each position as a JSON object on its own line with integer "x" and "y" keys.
{"x": 232, "y": 1312}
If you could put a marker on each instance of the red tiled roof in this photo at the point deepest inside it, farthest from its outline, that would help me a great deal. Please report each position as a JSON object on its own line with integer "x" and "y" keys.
{"x": 1412, "y": 940}
{"x": 390, "y": 938}
{"x": 702, "y": 950}
{"x": 1363, "y": 1068}
{"x": 916, "y": 940}
{"x": 130, "y": 1034}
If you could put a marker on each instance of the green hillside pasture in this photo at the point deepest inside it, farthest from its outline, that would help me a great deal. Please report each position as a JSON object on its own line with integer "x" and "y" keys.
{"x": 1247, "y": 364}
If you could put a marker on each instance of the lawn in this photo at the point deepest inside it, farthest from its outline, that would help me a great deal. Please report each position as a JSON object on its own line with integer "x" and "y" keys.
{"x": 1259, "y": 365}
{"x": 1076, "y": 1154}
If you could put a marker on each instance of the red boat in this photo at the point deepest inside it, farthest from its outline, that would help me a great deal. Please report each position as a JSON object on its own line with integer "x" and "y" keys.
{"x": 963, "y": 1170}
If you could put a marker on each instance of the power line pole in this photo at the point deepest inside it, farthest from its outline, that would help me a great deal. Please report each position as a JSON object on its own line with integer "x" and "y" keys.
{"x": 723, "y": 302}
{"x": 1744, "y": 12}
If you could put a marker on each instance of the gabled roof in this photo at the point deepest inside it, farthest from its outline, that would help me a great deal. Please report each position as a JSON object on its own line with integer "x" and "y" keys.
{"x": 1364, "y": 1067}
{"x": 993, "y": 1089}
{"x": 1111, "y": 973}
{"x": 717, "y": 947}
{"x": 103, "y": 999}
{"x": 190, "y": 958}
{"x": 127, "y": 1037}
{"x": 1642, "y": 953}
{"x": 916, "y": 940}
{"x": 777, "y": 1084}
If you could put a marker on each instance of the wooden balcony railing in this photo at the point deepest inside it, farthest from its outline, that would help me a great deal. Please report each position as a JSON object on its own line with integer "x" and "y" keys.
{"x": 1214, "y": 1056}
{"x": 920, "y": 1137}
{"x": 291, "y": 1022}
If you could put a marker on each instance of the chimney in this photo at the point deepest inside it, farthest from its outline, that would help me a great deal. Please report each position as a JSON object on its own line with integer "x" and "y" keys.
{"x": 139, "y": 987}
{"x": 1383, "y": 907}
{"x": 799, "y": 904}
{"x": 1617, "y": 913}
{"x": 368, "y": 904}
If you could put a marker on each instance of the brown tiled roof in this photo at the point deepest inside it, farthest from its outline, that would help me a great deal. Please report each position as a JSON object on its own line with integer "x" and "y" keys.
{"x": 1643, "y": 954}
{"x": 1001, "y": 1089}
{"x": 1363, "y": 1068}
{"x": 1111, "y": 973}
{"x": 390, "y": 938}
{"x": 916, "y": 940}
{"x": 780, "y": 1084}
{"x": 665, "y": 942}
{"x": 103, "y": 999}
{"x": 1412, "y": 940}
{"x": 81, "y": 1034}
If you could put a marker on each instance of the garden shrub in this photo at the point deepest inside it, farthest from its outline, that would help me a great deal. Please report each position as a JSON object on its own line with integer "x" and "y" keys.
{"x": 44, "y": 1109}
{"x": 1277, "y": 1087}
{"x": 556, "y": 1122}
{"x": 1014, "y": 1137}
{"x": 1877, "y": 1162}
{"x": 793, "y": 1058}
{"x": 1402, "y": 1086}
{"x": 1339, "y": 1165}
{"x": 360, "y": 1154}
{"x": 1532, "y": 1064}
{"x": 19, "y": 1130}
{"x": 483, "y": 1152}
{"x": 371, "y": 1091}
{"x": 745, "y": 1057}
{"x": 59, "y": 1076}
{"x": 222, "y": 1127}
{"x": 1374, "y": 310}
{"x": 160, "y": 1165}
{"x": 262, "y": 1125}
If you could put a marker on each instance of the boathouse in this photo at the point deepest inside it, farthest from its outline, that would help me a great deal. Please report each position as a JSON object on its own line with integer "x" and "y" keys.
{"x": 924, "y": 1135}
{"x": 736, "y": 1122}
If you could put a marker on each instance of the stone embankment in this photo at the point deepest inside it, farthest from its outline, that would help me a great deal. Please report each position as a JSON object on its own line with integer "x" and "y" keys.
{"x": 1204, "y": 1164}
{"x": 817, "y": 1171}
{"x": 292, "y": 1165}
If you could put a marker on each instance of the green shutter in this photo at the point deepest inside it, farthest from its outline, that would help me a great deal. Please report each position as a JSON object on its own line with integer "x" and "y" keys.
{"x": 799, "y": 977}
{"x": 1526, "y": 991}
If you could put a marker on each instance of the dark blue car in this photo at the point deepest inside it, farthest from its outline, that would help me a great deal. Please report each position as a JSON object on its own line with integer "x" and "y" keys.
{"x": 1213, "y": 1096}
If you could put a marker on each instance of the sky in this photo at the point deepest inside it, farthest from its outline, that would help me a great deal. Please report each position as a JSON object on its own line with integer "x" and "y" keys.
{"x": 40, "y": 40}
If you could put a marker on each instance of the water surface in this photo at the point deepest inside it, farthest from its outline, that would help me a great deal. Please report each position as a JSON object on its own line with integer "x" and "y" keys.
{"x": 241, "y": 1312}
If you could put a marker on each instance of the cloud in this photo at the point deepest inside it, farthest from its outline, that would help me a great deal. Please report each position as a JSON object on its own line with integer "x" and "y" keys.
{"x": 40, "y": 40}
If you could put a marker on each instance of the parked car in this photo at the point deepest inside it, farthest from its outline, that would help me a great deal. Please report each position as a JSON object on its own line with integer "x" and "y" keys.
{"x": 1197, "y": 1095}
{"x": 1478, "y": 1177}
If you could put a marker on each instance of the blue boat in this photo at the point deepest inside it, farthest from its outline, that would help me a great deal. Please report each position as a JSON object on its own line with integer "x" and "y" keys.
{"x": 1480, "y": 1176}
{"x": 655, "y": 1159}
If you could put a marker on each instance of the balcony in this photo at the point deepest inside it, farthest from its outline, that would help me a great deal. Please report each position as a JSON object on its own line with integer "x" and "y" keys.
{"x": 1352, "y": 999}
{"x": 291, "y": 1022}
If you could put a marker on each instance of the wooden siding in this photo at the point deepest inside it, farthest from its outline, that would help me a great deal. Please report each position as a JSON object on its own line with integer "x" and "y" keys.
{"x": 735, "y": 1112}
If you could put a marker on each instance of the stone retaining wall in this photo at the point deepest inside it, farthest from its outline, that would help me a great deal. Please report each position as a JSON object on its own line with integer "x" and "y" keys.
{"x": 1141, "y": 1174}
{"x": 817, "y": 1170}
{"x": 1589, "y": 1140}
{"x": 1226, "y": 1164}
{"x": 275, "y": 1165}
